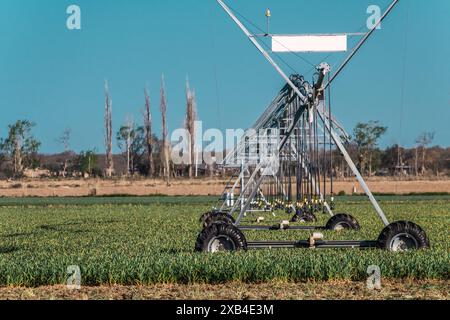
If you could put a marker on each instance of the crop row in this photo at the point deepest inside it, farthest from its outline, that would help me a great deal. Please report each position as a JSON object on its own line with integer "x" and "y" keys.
{"x": 145, "y": 244}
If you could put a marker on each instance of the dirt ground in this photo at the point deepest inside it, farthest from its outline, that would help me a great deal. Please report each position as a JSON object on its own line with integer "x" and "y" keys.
{"x": 392, "y": 289}
{"x": 92, "y": 187}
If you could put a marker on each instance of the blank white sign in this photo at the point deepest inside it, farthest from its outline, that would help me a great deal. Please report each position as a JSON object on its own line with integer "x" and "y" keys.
{"x": 309, "y": 43}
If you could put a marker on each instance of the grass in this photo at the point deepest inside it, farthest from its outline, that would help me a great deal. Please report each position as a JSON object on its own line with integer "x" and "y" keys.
{"x": 143, "y": 241}
{"x": 161, "y": 199}
{"x": 102, "y": 200}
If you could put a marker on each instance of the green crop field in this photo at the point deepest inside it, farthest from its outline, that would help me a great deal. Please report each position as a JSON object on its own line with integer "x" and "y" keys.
{"x": 133, "y": 241}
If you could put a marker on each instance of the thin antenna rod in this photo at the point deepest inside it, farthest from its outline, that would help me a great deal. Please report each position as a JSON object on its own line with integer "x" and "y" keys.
{"x": 361, "y": 43}
{"x": 268, "y": 14}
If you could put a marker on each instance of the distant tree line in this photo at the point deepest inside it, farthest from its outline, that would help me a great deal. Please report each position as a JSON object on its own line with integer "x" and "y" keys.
{"x": 143, "y": 153}
{"x": 421, "y": 160}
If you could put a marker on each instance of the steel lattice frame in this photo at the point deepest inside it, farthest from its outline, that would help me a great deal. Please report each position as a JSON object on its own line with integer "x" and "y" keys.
{"x": 292, "y": 121}
{"x": 307, "y": 100}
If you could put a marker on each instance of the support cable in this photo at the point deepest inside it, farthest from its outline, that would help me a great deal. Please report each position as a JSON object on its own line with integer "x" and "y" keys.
{"x": 264, "y": 32}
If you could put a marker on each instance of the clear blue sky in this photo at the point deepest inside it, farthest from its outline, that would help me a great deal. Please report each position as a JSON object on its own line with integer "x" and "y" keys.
{"x": 54, "y": 76}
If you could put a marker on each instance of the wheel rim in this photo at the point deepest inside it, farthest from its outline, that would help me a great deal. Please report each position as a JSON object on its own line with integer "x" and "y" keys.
{"x": 342, "y": 226}
{"x": 403, "y": 242}
{"x": 221, "y": 243}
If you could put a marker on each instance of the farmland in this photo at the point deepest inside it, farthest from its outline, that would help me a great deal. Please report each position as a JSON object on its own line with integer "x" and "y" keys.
{"x": 135, "y": 241}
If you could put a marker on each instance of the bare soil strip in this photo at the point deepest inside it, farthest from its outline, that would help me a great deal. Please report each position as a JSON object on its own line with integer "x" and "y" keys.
{"x": 341, "y": 290}
{"x": 203, "y": 187}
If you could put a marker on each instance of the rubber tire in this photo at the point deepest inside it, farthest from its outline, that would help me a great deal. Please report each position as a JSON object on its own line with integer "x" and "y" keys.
{"x": 214, "y": 217}
{"x": 399, "y": 227}
{"x": 306, "y": 216}
{"x": 220, "y": 229}
{"x": 204, "y": 216}
{"x": 342, "y": 218}
{"x": 211, "y": 217}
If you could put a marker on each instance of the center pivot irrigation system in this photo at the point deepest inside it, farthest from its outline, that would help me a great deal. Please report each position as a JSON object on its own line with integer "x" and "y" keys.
{"x": 285, "y": 161}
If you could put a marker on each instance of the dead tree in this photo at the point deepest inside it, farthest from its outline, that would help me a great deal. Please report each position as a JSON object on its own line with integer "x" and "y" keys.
{"x": 165, "y": 161}
{"x": 130, "y": 125}
{"x": 190, "y": 127}
{"x": 64, "y": 140}
{"x": 108, "y": 133}
{"x": 148, "y": 133}
{"x": 125, "y": 139}
{"x": 423, "y": 140}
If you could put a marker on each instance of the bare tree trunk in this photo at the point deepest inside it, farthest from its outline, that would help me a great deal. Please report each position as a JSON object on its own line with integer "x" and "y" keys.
{"x": 65, "y": 141}
{"x": 148, "y": 134}
{"x": 108, "y": 133}
{"x": 190, "y": 127}
{"x": 64, "y": 169}
{"x": 362, "y": 164}
{"x": 424, "y": 149}
{"x": 18, "y": 168}
{"x": 423, "y": 141}
{"x": 165, "y": 145}
{"x": 128, "y": 146}
{"x": 416, "y": 161}
{"x": 173, "y": 171}
{"x": 211, "y": 170}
